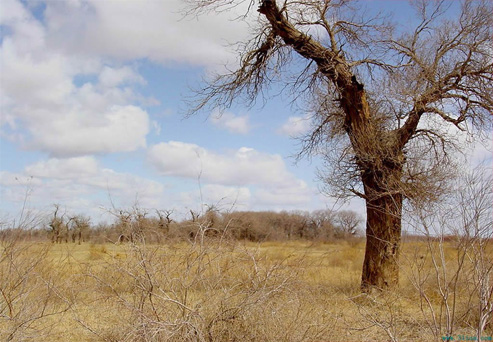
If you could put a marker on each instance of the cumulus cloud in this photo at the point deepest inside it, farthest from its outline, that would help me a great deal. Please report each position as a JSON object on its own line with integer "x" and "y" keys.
{"x": 113, "y": 77}
{"x": 249, "y": 178}
{"x": 71, "y": 181}
{"x": 295, "y": 126}
{"x": 227, "y": 197}
{"x": 43, "y": 106}
{"x": 33, "y": 77}
{"x": 87, "y": 171}
{"x": 232, "y": 123}
{"x": 119, "y": 129}
{"x": 12, "y": 179}
{"x": 71, "y": 168}
{"x": 292, "y": 195}
{"x": 240, "y": 167}
{"x": 224, "y": 198}
{"x": 135, "y": 29}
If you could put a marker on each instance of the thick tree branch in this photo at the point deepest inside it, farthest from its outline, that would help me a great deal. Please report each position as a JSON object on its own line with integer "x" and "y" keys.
{"x": 332, "y": 65}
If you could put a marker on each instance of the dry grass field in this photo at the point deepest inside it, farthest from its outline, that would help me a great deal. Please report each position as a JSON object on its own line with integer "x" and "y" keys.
{"x": 232, "y": 291}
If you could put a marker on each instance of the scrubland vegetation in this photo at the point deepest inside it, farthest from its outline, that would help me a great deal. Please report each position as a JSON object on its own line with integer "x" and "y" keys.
{"x": 221, "y": 277}
{"x": 225, "y": 290}
{"x": 156, "y": 226}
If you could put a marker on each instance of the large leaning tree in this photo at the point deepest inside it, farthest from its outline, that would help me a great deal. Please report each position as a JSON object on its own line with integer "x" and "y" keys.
{"x": 386, "y": 99}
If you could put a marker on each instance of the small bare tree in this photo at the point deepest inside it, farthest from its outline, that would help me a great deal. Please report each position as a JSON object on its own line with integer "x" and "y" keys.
{"x": 475, "y": 230}
{"x": 195, "y": 215}
{"x": 124, "y": 226}
{"x": 165, "y": 220}
{"x": 322, "y": 223}
{"x": 453, "y": 274}
{"x": 79, "y": 227}
{"x": 58, "y": 227}
{"x": 381, "y": 97}
{"x": 347, "y": 222}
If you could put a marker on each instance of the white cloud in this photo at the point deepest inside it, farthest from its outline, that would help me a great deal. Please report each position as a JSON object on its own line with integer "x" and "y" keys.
{"x": 42, "y": 106}
{"x": 295, "y": 126}
{"x": 223, "y": 198}
{"x": 226, "y": 197}
{"x": 113, "y": 77}
{"x": 71, "y": 168}
{"x": 249, "y": 178}
{"x": 20, "y": 24}
{"x": 482, "y": 153}
{"x": 31, "y": 78}
{"x": 231, "y": 122}
{"x": 143, "y": 29}
{"x": 17, "y": 179}
{"x": 116, "y": 130}
{"x": 241, "y": 167}
{"x": 12, "y": 11}
{"x": 294, "y": 194}
{"x": 72, "y": 181}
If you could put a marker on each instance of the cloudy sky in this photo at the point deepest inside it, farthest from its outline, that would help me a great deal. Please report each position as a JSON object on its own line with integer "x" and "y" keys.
{"x": 92, "y": 114}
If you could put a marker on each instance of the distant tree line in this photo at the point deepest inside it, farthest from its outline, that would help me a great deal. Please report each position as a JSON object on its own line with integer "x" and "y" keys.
{"x": 156, "y": 226}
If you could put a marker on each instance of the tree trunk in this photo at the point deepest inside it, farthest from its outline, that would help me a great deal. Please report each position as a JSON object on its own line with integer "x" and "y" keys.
{"x": 383, "y": 240}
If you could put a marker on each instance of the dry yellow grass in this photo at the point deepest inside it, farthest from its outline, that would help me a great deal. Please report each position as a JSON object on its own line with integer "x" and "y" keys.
{"x": 218, "y": 291}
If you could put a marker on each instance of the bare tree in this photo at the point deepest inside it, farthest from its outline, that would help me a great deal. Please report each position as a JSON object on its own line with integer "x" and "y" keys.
{"x": 79, "y": 227}
{"x": 165, "y": 220}
{"x": 386, "y": 100}
{"x": 322, "y": 222}
{"x": 195, "y": 215}
{"x": 347, "y": 222}
{"x": 58, "y": 227}
{"x": 124, "y": 225}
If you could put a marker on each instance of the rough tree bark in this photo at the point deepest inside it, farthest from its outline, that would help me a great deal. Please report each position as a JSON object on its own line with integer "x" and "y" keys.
{"x": 383, "y": 240}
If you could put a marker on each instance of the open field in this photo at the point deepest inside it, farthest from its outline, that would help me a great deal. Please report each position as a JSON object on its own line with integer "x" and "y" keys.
{"x": 229, "y": 291}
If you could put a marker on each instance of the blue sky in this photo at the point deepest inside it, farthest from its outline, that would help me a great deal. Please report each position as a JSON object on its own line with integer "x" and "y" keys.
{"x": 92, "y": 114}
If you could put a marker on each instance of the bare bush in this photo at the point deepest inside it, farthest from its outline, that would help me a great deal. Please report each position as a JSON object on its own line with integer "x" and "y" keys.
{"x": 201, "y": 293}
{"x": 30, "y": 291}
{"x": 453, "y": 274}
